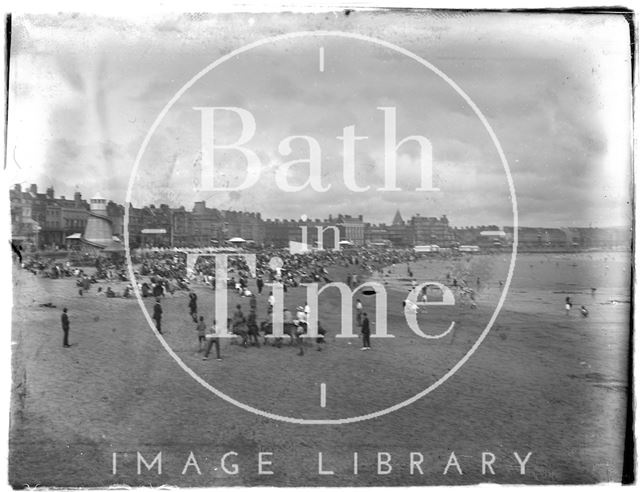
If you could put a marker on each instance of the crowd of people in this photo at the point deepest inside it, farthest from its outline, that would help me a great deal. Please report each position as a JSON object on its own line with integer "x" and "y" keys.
{"x": 164, "y": 272}
{"x": 161, "y": 273}
{"x": 168, "y": 267}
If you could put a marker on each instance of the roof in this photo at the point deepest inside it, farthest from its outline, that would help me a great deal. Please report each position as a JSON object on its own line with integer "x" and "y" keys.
{"x": 397, "y": 219}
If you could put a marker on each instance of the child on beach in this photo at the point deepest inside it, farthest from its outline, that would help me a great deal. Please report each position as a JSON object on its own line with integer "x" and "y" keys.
{"x": 201, "y": 328}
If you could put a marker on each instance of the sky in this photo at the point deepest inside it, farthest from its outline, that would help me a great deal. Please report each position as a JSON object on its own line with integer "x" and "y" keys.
{"x": 85, "y": 92}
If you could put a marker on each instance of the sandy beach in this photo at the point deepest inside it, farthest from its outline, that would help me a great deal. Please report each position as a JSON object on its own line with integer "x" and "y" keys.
{"x": 541, "y": 382}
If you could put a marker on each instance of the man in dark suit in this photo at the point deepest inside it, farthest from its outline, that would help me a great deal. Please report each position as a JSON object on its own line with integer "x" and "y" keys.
{"x": 193, "y": 306}
{"x": 157, "y": 315}
{"x": 366, "y": 332}
{"x": 212, "y": 338}
{"x": 65, "y": 327}
{"x": 260, "y": 284}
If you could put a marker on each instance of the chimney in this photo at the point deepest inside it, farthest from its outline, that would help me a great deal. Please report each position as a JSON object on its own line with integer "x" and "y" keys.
{"x": 17, "y": 187}
{"x": 50, "y": 192}
{"x": 33, "y": 189}
{"x": 77, "y": 196}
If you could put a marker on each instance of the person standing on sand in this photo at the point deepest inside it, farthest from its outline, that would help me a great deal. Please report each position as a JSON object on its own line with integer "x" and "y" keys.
{"x": 271, "y": 301}
{"x": 193, "y": 306}
{"x": 301, "y": 328}
{"x": 321, "y": 335}
{"x": 157, "y": 315}
{"x": 201, "y": 328}
{"x": 65, "y": 328}
{"x": 260, "y": 284}
{"x": 252, "y": 326}
{"x": 238, "y": 319}
{"x": 212, "y": 338}
{"x": 366, "y": 333}
{"x": 567, "y": 305}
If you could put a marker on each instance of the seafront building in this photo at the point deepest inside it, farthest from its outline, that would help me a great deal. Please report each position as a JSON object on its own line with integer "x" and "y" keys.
{"x": 42, "y": 221}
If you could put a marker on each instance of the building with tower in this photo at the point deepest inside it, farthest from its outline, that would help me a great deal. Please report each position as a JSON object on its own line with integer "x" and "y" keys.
{"x": 400, "y": 233}
{"x": 98, "y": 234}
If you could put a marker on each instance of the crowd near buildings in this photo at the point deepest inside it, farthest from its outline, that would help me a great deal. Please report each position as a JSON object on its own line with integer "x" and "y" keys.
{"x": 43, "y": 221}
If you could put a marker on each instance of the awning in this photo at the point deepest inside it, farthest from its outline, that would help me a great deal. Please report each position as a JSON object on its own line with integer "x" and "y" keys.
{"x": 237, "y": 240}
{"x": 154, "y": 231}
{"x": 76, "y": 235}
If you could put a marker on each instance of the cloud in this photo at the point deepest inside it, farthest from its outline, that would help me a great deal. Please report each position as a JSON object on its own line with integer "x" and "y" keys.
{"x": 87, "y": 89}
